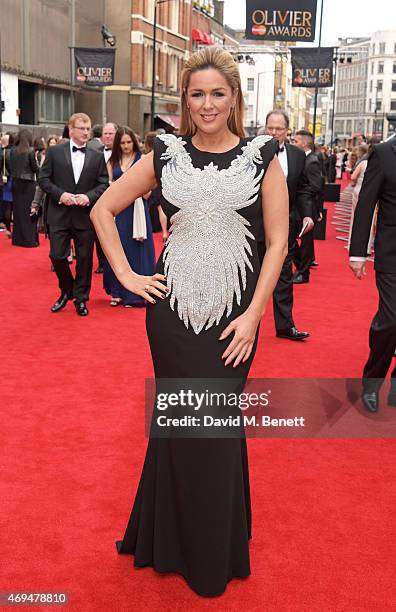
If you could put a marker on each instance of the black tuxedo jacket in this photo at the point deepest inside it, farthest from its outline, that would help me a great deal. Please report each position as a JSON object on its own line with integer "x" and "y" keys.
{"x": 56, "y": 177}
{"x": 300, "y": 196}
{"x": 315, "y": 178}
{"x": 379, "y": 185}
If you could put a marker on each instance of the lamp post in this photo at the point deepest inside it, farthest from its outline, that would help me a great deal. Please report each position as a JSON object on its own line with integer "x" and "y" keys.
{"x": 156, "y": 3}
{"x": 335, "y": 59}
{"x": 110, "y": 39}
{"x": 317, "y": 78}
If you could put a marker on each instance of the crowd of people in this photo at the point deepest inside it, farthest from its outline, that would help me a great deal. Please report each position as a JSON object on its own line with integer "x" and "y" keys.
{"x": 25, "y": 205}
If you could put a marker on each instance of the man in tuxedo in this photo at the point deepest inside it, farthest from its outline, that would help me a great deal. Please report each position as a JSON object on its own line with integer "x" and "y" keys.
{"x": 305, "y": 252}
{"x": 379, "y": 186}
{"x": 108, "y": 135}
{"x": 292, "y": 161}
{"x": 74, "y": 176}
{"x": 104, "y": 144}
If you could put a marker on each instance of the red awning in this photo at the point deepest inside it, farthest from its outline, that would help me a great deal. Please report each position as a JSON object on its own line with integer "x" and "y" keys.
{"x": 202, "y": 37}
{"x": 198, "y": 35}
{"x": 173, "y": 120}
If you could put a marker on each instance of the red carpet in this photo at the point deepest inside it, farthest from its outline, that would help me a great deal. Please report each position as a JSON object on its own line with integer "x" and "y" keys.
{"x": 72, "y": 445}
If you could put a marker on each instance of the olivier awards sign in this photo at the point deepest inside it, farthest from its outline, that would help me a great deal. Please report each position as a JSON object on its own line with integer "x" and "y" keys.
{"x": 312, "y": 67}
{"x": 94, "y": 66}
{"x": 288, "y": 20}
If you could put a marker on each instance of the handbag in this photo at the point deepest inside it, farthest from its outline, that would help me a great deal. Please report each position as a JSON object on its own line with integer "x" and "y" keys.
{"x": 139, "y": 220}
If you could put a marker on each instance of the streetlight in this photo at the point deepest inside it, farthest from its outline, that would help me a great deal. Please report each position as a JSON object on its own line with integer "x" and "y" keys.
{"x": 110, "y": 39}
{"x": 156, "y": 3}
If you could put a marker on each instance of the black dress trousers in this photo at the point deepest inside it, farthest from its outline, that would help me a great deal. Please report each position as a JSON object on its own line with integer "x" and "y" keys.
{"x": 382, "y": 336}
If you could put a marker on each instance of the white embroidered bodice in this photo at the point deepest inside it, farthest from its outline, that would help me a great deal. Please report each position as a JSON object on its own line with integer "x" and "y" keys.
{"x": 207, "y": 251}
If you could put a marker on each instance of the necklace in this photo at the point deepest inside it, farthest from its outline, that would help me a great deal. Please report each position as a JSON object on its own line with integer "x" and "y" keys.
{"x": 125, "y": 166}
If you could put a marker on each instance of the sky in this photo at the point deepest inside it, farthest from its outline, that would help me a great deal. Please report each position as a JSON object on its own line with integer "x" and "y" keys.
{"x": 341, "y": 18}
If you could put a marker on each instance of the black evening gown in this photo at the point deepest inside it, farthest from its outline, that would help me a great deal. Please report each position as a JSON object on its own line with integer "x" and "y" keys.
{"x": 25, "y": 225}
{"x": 192, "y": 512}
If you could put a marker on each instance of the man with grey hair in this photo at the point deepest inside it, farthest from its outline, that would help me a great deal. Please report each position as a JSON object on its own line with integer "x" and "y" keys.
{"x": 292, "y": 161}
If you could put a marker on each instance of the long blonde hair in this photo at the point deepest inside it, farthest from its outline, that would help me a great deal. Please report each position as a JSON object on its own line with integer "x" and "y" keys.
{"x": 217, "y": 58}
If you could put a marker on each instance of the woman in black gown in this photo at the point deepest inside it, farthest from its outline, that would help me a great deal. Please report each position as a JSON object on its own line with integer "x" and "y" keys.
{"x": 23, "y": 169}
{"x": 192, "y": 509}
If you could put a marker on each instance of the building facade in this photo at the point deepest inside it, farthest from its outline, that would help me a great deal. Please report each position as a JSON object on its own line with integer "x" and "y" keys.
{"x": 365, "y": 97}
{"x": 36, "y": 81}
{"x": 173, "y": 44}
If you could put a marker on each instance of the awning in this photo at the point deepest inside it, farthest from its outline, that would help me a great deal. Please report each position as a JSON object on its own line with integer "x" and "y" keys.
{"x": 198, "y": 35}
{"x": 208, "y": 39}
{"x": 202, "y": 37}
{"x": 172, "y": 120}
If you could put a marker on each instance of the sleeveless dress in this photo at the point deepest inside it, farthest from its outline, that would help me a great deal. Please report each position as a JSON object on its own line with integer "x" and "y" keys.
{"x": 192, "y": 511}
{"x": 140, "y": 254}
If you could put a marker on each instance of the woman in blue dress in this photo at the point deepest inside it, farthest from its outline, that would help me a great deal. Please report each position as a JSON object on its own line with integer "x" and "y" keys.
{"x": 139, "y": 251}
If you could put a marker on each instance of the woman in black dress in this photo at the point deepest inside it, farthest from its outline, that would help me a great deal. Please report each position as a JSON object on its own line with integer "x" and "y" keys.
{"x": 23, "y": 169}
{"x": 192, "y": 509}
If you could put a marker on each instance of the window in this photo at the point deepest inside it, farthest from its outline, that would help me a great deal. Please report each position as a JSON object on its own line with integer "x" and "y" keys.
{"x": 149, "y": 12}
{"x": 379, "y": 85}
{"x": 54, "y": 105}
{"x": 394, "y": 48}
{"x": 378, "y": 105}
{"x": 394, "y": 68}
{"x": 349, "y": 126}
{"x": 393, "y": 105}
{"x": 372, "y": 68}
{"x": 250, "y": 84}
{"x": 393, "y": 85}
{"x": 371, "y": 86}
{"x": 339, "y": 126}
{"x": 382, "y": 48}
{"x": 174, "y": 22}
{"x": 250, "y": 112}
{"x": 380, "y": 67}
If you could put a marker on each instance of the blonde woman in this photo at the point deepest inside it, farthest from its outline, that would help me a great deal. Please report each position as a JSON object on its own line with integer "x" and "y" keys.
{"x": 192, "y": 509}
{"x": 357, "y": 181}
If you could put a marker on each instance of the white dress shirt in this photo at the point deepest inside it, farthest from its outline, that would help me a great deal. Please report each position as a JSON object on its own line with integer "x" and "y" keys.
{"x": 282, "y": 157}
{"x": 107, "y": 154}
{"x": 77, "y": 160}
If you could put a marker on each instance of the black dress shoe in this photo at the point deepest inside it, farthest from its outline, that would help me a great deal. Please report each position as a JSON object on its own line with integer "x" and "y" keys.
{"x": 299, "y": 279}
{"x": 60, "y": 302}
{"x": 81, "y": 308}
{"x": 292, "y": 334}
{"x": 370, "y": 401}
{"x": 99, "y": 270}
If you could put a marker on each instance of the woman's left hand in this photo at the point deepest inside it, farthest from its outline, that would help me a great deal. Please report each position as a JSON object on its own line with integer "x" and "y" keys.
{"x": 241, "y": 346}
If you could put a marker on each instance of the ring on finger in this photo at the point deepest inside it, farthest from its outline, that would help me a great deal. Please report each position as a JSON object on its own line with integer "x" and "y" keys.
{"x": 147, "y": 287}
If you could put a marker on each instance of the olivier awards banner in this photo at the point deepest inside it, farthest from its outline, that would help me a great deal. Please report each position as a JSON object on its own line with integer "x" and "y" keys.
{"x": 94, "y": 66}
{"x": 289, "y": 20}
{"x": 312, "y": 68}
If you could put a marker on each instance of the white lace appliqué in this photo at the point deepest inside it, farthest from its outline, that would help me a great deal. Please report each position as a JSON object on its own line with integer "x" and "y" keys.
{"x": 207, "y": 252}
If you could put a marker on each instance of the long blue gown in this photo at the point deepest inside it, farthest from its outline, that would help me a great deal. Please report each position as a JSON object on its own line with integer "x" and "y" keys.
{"x": 140, "y": 254}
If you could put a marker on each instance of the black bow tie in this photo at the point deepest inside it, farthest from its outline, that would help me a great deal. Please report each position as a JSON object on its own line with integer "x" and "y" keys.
{"x": 108, "y": 149}
{"x": 81, "y": 149}
{"x": 281, "y": 149}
